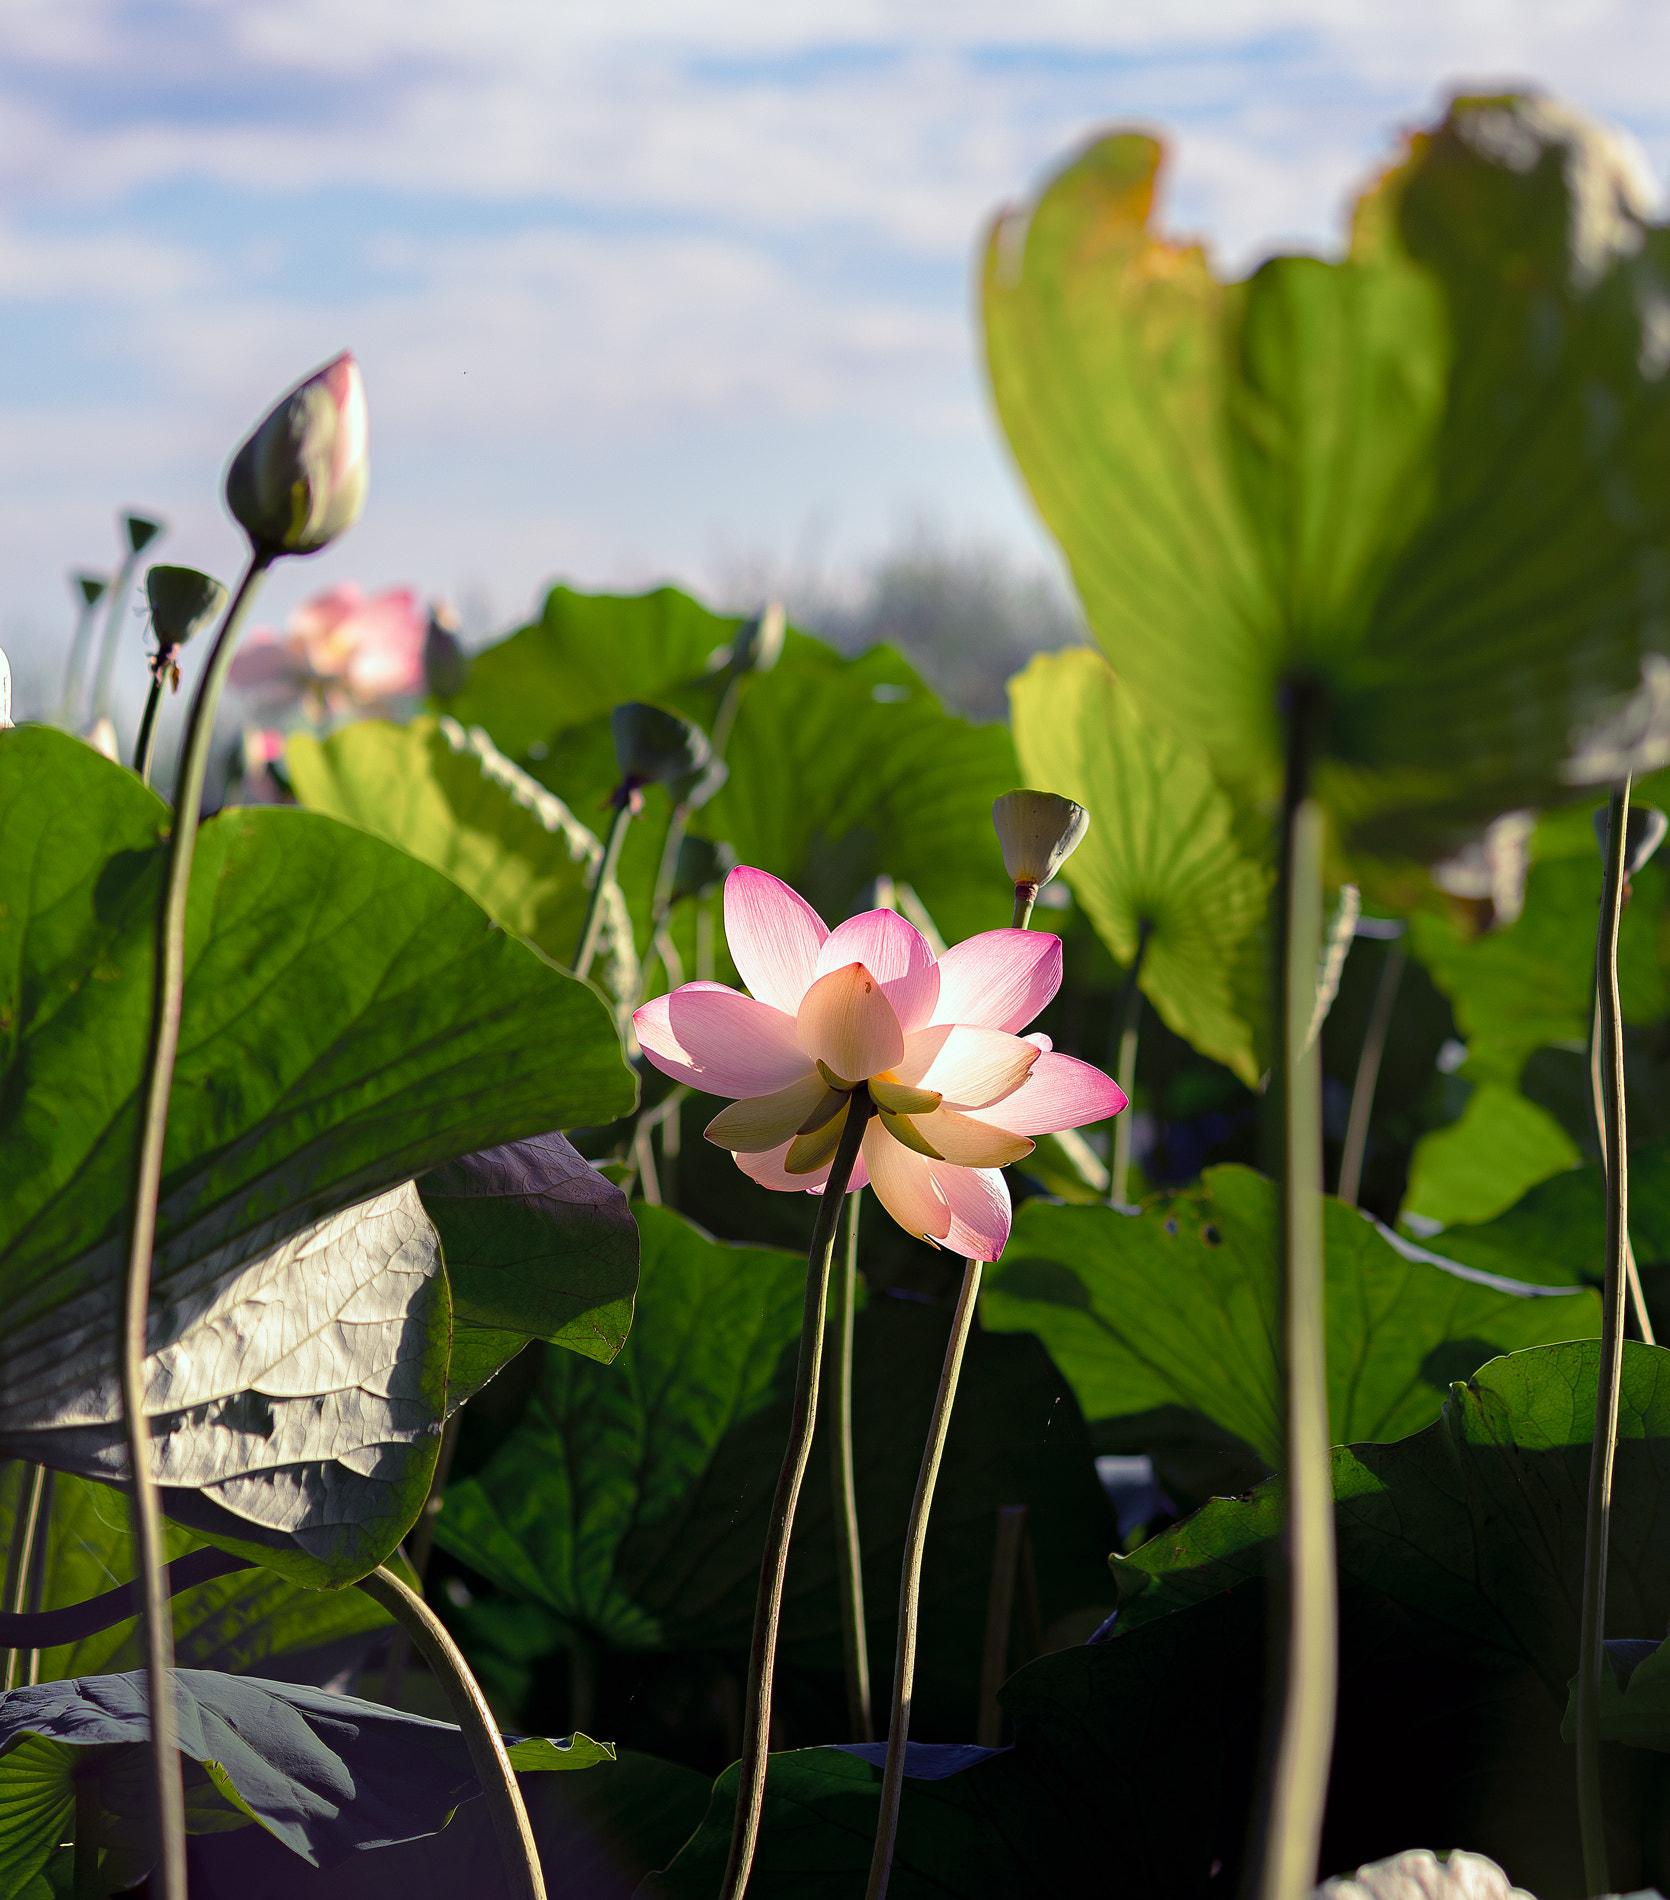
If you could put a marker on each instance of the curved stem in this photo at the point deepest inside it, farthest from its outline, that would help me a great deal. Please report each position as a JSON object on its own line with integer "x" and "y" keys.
{"x": 1298, "y": 1772}
{"x": 855, "y": 1647}
{"x": 146, "y": 742}
{"x": 1130, "y": 1021}
{"x": 606, "y": 870}
{"x": 119, "y": 589}
{"x": 910, "y": 1583}
{"x": 481, "y": 1733}
{"x": 1632, "y": 1273}
{"x": 1026, "y": 895}
{"x": 1368, "y": 1073}
{"x": 420, "y": 1545}
{"x": 1591, "y": 1658}
{"x": 167, "y": 997}
{"x": 768, "y": 1605}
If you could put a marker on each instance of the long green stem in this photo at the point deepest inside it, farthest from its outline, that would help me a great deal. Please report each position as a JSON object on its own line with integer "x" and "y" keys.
{"x": 119, "y": 589}
{"x": 1026, "y": 895}
{"x": 768, "y": 1605}
{"x": 855, "y": 1645}
{"x": 910, "y": 1586}
{"x": 145, "y": 744}
{"x": 1298, "y": 1773}
{"x": 605, "y": 876}
{"x": 481, "y": 1732}
{"x": 1368, "y": 1074}
{"x": 1632, "y": 1273}
{"x": 1130, "y": 1023}
{"x": 167, "y": 998}
{"x": 1591, "y": 1659}
{"x": 20, "y": 1559}
{"x": 69, "y": 702}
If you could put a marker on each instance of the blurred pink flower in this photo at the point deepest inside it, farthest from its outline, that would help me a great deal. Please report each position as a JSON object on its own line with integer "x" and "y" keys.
{"x": 958, "y": 1092}
{"x": 345, "y": 648}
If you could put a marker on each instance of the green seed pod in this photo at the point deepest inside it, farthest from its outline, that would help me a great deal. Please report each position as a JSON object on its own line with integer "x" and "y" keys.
{"x": 1039, "y": 832}
{"x": 655, "y": 745}
{"x": 182, "y": 602}
{"x": 141, "y": 532}
{"x": 91, "y": 587}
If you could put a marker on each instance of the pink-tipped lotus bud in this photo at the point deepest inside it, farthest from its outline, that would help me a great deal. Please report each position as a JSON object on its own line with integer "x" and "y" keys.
{"x": 1039, "y": 832}
{"x": 300, "y": 479}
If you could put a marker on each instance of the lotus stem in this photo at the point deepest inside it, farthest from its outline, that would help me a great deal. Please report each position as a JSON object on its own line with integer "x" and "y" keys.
{"x": 1632, "y": 1273}
{"x": 420, "y": 1545}
{"x": 167, "y": 999}
{"x": 605, "y": 876}
{"x": 481, "y": 1733}
{"x": 1026, "y": 895}
{"x": 85, "y": 1881}
{"x": 119, "y": 590}
{"x": 20, "y": 1559}
{"x": 910, "y": 1585}
{"x": 855, "y": 1646}
{"x": 145, "y": 744}
{"x": 1368, "y": 1073}
{"x": 768, "y": 1606}
{"x": 1591, "y": 1659}
{"x": 1125, "y": 1074}
{"x": 69, "y": 703}
{"x": 1297, "y": 1791}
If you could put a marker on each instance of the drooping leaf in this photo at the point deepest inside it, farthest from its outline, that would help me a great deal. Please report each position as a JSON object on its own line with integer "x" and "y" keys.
{"x": 1180, "y": 1305}
{"x": 350, "y": 1018}
{"x": 295, "y": 1399}
{"x": 1421, "y": 485}
{"x": 325, "y": 1775}
{"x": 1478, "y": 1167}
{"x": 253, "y": 1620}
{"x": 631, "y": 1500}
{"x": 1163, "y": 850}
{"x": 538, "y": 1246}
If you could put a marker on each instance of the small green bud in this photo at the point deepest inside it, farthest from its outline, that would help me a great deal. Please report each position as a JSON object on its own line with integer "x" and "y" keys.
{"x": 300, "y": 479}
{"x": 655, "y": 745}
{"x": 141, "y": 531}
{"x": 182, "y": 602}
{"x": 1039, "y": 832}
{"x": 1643, "y": 834}
{"x": 91, "y": 587}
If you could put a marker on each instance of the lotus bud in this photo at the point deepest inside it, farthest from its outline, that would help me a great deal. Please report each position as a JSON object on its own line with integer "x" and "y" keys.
{"x": 1642, "y": 836}
{"x": 759, "y": 642}
{"x": 300, "y": 479}
{"x": 90, "y": 587}
{"x": 141, "y": 532}
{"x": 1039, "y": 832}
{"x": 656, "y": 746}
{"x": 446, "y": 665}
{"x": 182, "y": 602}
{"x": 5, "y": 690}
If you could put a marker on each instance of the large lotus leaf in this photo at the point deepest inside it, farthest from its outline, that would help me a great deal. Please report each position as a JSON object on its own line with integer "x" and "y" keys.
{"x": 597, "y": 1836}
{"x": 295, "y": 1399}
{"x": 325, "y": 1775}
{"x": 252, "y": 1619}
{"x": 1180, "y": 1305}
{"x": 1163, "y": 849}
{"x": 883, "y": 778}
{"x": 538, "y": 1245}
{"x": 1478, "y": 1166}
{"x": 350, "y": 1019}
{"x": 1557, "y": 1233}
{"x": 585, "y": 654}
{"x": 1423, "y": 484}
{"x": 631, "y": 1499}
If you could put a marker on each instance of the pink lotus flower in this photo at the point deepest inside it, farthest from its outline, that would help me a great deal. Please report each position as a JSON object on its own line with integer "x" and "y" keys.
{"x": 346, "y": 648}
{"x": 958, "y": 1093}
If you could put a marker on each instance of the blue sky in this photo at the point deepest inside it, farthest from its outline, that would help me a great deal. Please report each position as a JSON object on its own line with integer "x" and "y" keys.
{"x": 640, "y": 289}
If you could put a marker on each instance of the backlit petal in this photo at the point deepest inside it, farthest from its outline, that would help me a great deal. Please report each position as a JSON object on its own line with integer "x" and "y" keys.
{"x": 967, "y": 1142}
{"x": 769, "y": 1171}
{"x": 904, "y": 1184}
{"x": 847, "y": 1022}
{"x": 998, "y": 980}
{"x": 760, "y": 1122}
{"x": 814, "y": 1152}
{"x": 721, "y": 1041}
{"x": 978, "y": 1199}
{"x": 896, "y": 954}
{"x": 774, "y": 936}
{"x": 969, "y": 1067}
{"x": 1061, "y": 1092}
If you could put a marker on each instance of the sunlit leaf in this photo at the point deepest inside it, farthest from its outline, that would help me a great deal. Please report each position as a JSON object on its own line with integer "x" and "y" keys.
{"x": 1480, "y": 1166}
